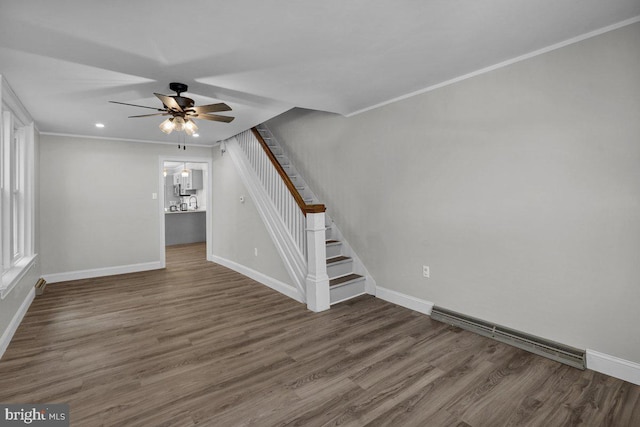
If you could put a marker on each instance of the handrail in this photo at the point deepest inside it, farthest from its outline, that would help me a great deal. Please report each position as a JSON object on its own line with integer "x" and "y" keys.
{"x": 305, "y": 208}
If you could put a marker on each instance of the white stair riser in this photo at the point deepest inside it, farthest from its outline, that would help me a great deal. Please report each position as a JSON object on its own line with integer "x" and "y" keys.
{"x": 327, "y": 233}
{"x": 339, "y": 269}
{"x": 334, "y": 249}
{"x": 347, "y": 291}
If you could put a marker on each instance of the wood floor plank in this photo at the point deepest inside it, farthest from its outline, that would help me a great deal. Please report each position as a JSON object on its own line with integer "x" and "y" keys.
{"x": 198, "y": 344}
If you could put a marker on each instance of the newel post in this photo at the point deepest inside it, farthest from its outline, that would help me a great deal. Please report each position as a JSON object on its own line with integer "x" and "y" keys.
{"x": 317, "y": 279}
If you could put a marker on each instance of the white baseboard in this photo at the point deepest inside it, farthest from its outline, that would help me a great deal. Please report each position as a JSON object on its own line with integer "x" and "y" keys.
{"x": 596, "y": 361}
{"x": 412, "y": 303}
{"x": 613, "y": 366}
{"x": 15, "y": 322}
{"x": 274, "y": 284}
{"x": 101, "y": 272}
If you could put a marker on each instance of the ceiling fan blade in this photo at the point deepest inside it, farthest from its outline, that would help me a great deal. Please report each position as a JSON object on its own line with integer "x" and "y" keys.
{"x": 213, "y": 117}
{"x": 211, "y": 108}
{"x": 134, "y": 105}
{"x": 149, "y": 115}
{"x": 169, "y": 102}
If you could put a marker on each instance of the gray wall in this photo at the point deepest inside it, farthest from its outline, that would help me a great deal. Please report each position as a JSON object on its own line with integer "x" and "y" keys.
{"x": 96, "y": 209}
{"x": 237, "y": 227}
{"x": 520, "y": 188}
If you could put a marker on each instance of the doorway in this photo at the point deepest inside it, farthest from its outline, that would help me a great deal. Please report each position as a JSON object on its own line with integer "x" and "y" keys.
{"x": 185, "y": 205}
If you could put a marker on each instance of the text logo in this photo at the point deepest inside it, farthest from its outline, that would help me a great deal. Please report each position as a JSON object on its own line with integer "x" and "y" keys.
{"x": 46, "y": 415}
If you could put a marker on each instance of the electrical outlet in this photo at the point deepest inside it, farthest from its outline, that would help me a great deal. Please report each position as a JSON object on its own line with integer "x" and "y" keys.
{"x": 425, "y": 271}
{"x": 255, "y": 251}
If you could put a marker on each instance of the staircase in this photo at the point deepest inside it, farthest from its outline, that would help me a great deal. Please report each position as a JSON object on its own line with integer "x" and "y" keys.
{"x": 347, "y": 275}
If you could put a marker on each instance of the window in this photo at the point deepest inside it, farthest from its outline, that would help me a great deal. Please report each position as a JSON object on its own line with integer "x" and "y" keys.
{"x": 17, "y": 196}
{"x": 17, "y": 134}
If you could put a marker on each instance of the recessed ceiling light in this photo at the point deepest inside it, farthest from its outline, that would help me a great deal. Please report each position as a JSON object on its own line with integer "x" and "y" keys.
{"x": 195, "y": 135}
{"x": 99, "y": 125}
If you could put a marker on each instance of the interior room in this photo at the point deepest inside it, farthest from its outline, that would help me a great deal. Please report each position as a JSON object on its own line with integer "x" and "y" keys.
{"x": 185, "y": 202}
{"x": 320, "y": 213}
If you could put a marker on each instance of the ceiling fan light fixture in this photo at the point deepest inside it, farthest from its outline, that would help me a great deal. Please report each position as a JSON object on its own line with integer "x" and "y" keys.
{"x": 178, "y": 123}
{"x": 190, "y": 127}
{"x": 167, "y": 126}
{"x": 182, "y": 111}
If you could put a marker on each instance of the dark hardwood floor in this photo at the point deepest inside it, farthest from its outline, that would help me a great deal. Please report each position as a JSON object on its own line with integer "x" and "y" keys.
{"x": 198, "y": 344}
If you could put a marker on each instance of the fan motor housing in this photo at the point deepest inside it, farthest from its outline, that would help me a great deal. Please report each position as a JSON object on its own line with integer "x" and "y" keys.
{"x": 178, "y": 87}
{"x": 183, "y": 102}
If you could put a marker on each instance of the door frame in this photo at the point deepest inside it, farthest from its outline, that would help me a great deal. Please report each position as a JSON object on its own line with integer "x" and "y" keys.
{"x": 161, "y": 212}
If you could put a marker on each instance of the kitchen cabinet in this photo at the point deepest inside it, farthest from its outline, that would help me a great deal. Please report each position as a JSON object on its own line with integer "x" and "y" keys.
{"x": 185, "y": 227}
{"x": 193, "y": 181}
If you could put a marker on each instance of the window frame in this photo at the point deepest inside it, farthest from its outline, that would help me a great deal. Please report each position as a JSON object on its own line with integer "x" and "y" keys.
{"x": 17, "y": 190}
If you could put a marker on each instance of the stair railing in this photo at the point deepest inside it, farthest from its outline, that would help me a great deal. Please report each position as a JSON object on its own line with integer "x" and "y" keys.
{"x": 305, "y": 223}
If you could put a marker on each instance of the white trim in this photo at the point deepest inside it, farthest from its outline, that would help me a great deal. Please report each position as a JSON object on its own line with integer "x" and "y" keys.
{"x": 29, "y": 191}
{"x": 101, "y": 272}
{"x": 8, "y": 333}
{"x": 11, "y": 278}
{"x": 144, "y": 141}
{"x": 407, "y": 301}
{"x": 504, "y": 63}
{"x": 274, "y": 284}
{"x": 347, "y": 298}
{"x": 613, "y": 366}
{"x": 596, "y": 361}
{"x": 185, "y": 158}
{"x": 318, "y": 293}
{"x": 292, "y": 258}
{"x": 12, "y": 102}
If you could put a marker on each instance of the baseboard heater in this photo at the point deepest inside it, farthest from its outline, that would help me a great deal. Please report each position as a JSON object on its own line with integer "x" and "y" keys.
{"x": 540, "y": 346}
{"x": 40, "y": 285}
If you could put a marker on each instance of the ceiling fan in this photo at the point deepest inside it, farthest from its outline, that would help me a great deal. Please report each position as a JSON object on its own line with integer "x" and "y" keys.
{"x": 182, "y": 110}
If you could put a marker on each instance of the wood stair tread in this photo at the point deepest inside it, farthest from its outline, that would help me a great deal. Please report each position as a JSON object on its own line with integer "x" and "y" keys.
{"x": 335, "y": 259}
{"x": 332, "y": 241}
{"x": 343, "y": 279}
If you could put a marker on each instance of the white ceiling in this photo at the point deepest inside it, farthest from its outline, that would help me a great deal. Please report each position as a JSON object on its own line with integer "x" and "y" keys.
{"x": 66, "y": 59}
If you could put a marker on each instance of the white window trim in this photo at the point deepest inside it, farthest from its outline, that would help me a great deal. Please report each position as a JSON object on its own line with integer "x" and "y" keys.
{"x": 13, "y": 276}
{"x": 18, "y": 194}
{"x": 15, "y": 120}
